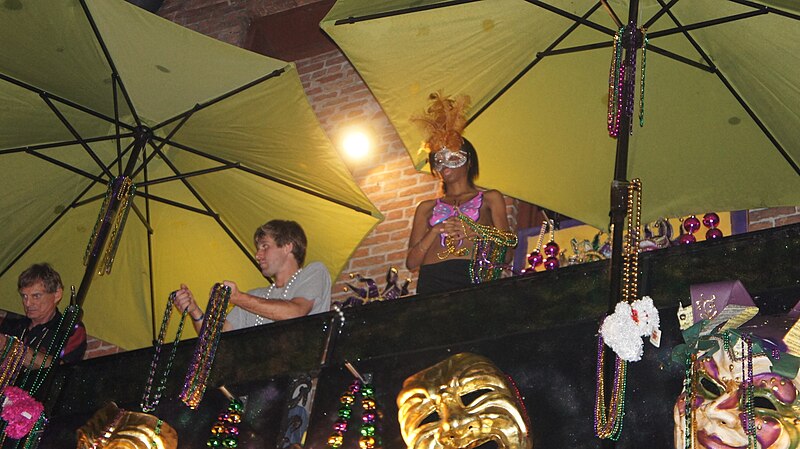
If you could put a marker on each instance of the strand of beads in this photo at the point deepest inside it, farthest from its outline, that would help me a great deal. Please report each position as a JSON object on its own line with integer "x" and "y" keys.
{"x": 13, "y": 360}
{"x": 370, "y": 425}
{"x": 67, "y": 323}
{"x": 749, "y": 415}
{"x": 615, "y": 78}
{"x": 608, "y": 420}
{"x": 641, "y": 85}
{"x": 535, "y": 258}
{"x": 688, "y": 404}
{"x": 225, "y": 432}
{"x": 489, "y": 250}
{"x": 284, "y": 293}
{"x": 148, "y": 404}
{"x": 552, "y": 250}
{"x": 194, "y": 385}
{"x": 450, "y": 245}
{"x": 711, "y": 221}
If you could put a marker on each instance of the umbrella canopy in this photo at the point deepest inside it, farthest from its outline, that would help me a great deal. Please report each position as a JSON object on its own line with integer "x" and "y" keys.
{"x": 216, "y": 139}
{"x": 721, "y": 95}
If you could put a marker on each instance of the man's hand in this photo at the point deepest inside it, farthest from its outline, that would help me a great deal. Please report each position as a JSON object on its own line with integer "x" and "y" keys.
{"x": 184, "y": 300}
{"x": 236, "y": 295}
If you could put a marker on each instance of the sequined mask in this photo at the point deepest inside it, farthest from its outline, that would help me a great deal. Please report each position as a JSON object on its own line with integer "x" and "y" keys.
{"x": 720, "y": 411}
{"x": 462, "y": 402}
{"x": 115, "y": 428}
{"x": 447, "y": 158}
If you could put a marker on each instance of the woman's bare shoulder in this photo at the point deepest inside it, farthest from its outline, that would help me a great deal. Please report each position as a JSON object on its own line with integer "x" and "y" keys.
{"x": 493, "y": 195}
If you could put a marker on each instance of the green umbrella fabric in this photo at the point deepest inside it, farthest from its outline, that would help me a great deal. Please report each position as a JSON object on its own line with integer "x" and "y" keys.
{"x": 721, "y": 95}
{"x": 235, "y": 143}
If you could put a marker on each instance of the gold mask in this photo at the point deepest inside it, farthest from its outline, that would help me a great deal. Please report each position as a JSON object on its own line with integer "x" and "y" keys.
{"x": 114, "y": 428}
{"x": 461, "y": 403}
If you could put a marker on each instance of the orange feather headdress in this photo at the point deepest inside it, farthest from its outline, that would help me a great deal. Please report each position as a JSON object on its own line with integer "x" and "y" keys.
{"x": 444, "y": 121}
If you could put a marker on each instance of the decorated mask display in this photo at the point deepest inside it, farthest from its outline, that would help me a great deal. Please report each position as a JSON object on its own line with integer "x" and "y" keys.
{"x": 462, "y": 402}
{"x": 741, "y": 386}
{"x": 114, "y": 428}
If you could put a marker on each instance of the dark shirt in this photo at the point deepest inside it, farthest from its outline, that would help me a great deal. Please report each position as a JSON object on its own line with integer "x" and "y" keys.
{"x": 41, "y": 337}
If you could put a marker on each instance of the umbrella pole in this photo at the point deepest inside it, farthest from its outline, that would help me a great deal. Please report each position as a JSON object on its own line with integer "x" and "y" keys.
{"x": 141, "y": 136}
{"x": 631, "y": 40}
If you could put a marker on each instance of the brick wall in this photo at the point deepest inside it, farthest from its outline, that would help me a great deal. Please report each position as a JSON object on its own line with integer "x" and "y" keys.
{"x": 769, "y": 218}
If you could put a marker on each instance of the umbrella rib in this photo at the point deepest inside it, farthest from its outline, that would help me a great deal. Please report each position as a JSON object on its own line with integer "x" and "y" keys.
{"x": 67, "y": 166}
{"x": 71, "y": 104}
{"x": 583, "y": 20}
{"x": 45, "y": 146}
{"x": 738, "y": 97}
{"x": 142, "y": 218}
{"x": 575, "y": 49}
{"x": 661, "y": 12}
{"x": 683, "y": 59}
{"x": 399, "y": 12}
{"x": 267, "y": 177}
{"x": 526, "y": 69}
{"x": 183, "y": 116}
{"x": 187, "y": 175}
{"x": 705, "y": 24}
{"x": 110, "y": 61}
{"x": 150, "y": 196}
{"x": 769, "y": 9}
{"x": 77, "y": 136}
{"x": 210, "y": 212}
{"x": 44, "y": 231}
{"x": 157, "y": 149}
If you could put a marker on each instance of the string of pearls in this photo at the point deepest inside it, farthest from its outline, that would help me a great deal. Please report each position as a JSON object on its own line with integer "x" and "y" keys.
{"x": 284, "y": 293}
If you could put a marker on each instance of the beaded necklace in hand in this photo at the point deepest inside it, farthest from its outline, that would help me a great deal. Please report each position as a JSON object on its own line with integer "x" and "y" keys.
{"x": 284, "y": 293}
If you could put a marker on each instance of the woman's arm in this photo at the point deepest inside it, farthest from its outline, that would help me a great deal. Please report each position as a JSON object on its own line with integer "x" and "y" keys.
{"x": 497, "y": 207}
{"x": 423, "y": 237}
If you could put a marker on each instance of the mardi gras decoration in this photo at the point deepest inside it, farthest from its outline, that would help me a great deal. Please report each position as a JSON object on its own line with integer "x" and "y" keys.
{"x": 225, "y": 431}
{"x": 370, "y": 418}
{"x": 113, "y": 218}
{"x": 114, "y": 428}
{"x": 370, "y": 292}
{"x": 194, "y": 385}
{"x": 23, "y": 415}
{"x": 150, "y": 398}
{"x": 617, "y": 81}
{"x": 741, "y": 374}
{"x": 462, "y": 402}
{"x": 632, "y": 319}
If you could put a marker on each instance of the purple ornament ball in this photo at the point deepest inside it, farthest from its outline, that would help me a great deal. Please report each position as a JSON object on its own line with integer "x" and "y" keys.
{"x": 713, "y": 234}
{"x": 711, "y": 220}
{"x": 686, "y": 239}
{"x": 691, "y": 224}
{"x": 551, "y": 263}
{"x": 535, "y": 258}
{"x": 552, "y": 249}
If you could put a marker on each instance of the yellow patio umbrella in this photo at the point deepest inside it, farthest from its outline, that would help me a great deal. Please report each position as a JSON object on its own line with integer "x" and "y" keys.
{"x": 216, "y": 140}
{"x": 721, "y": 95}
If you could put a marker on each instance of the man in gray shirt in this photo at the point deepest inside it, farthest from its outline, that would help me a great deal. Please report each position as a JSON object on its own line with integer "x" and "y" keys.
{"x": 296, "y": 290}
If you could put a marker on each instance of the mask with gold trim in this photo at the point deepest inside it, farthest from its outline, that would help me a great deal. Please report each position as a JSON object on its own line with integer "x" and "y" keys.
{"x": 727, "y": 348}
{"x": 462, "y": 402}
{"x": 114, "y": 428}
{"x": 719, "y": 412}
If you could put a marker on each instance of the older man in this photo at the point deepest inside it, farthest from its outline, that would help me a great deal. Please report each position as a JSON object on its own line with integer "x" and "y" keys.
{"x": 296, "y": 290}
{"x": 41, "y": 289}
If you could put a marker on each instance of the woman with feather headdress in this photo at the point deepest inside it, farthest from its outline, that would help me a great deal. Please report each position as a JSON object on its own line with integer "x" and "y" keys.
{"x": 460, "y": 238}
